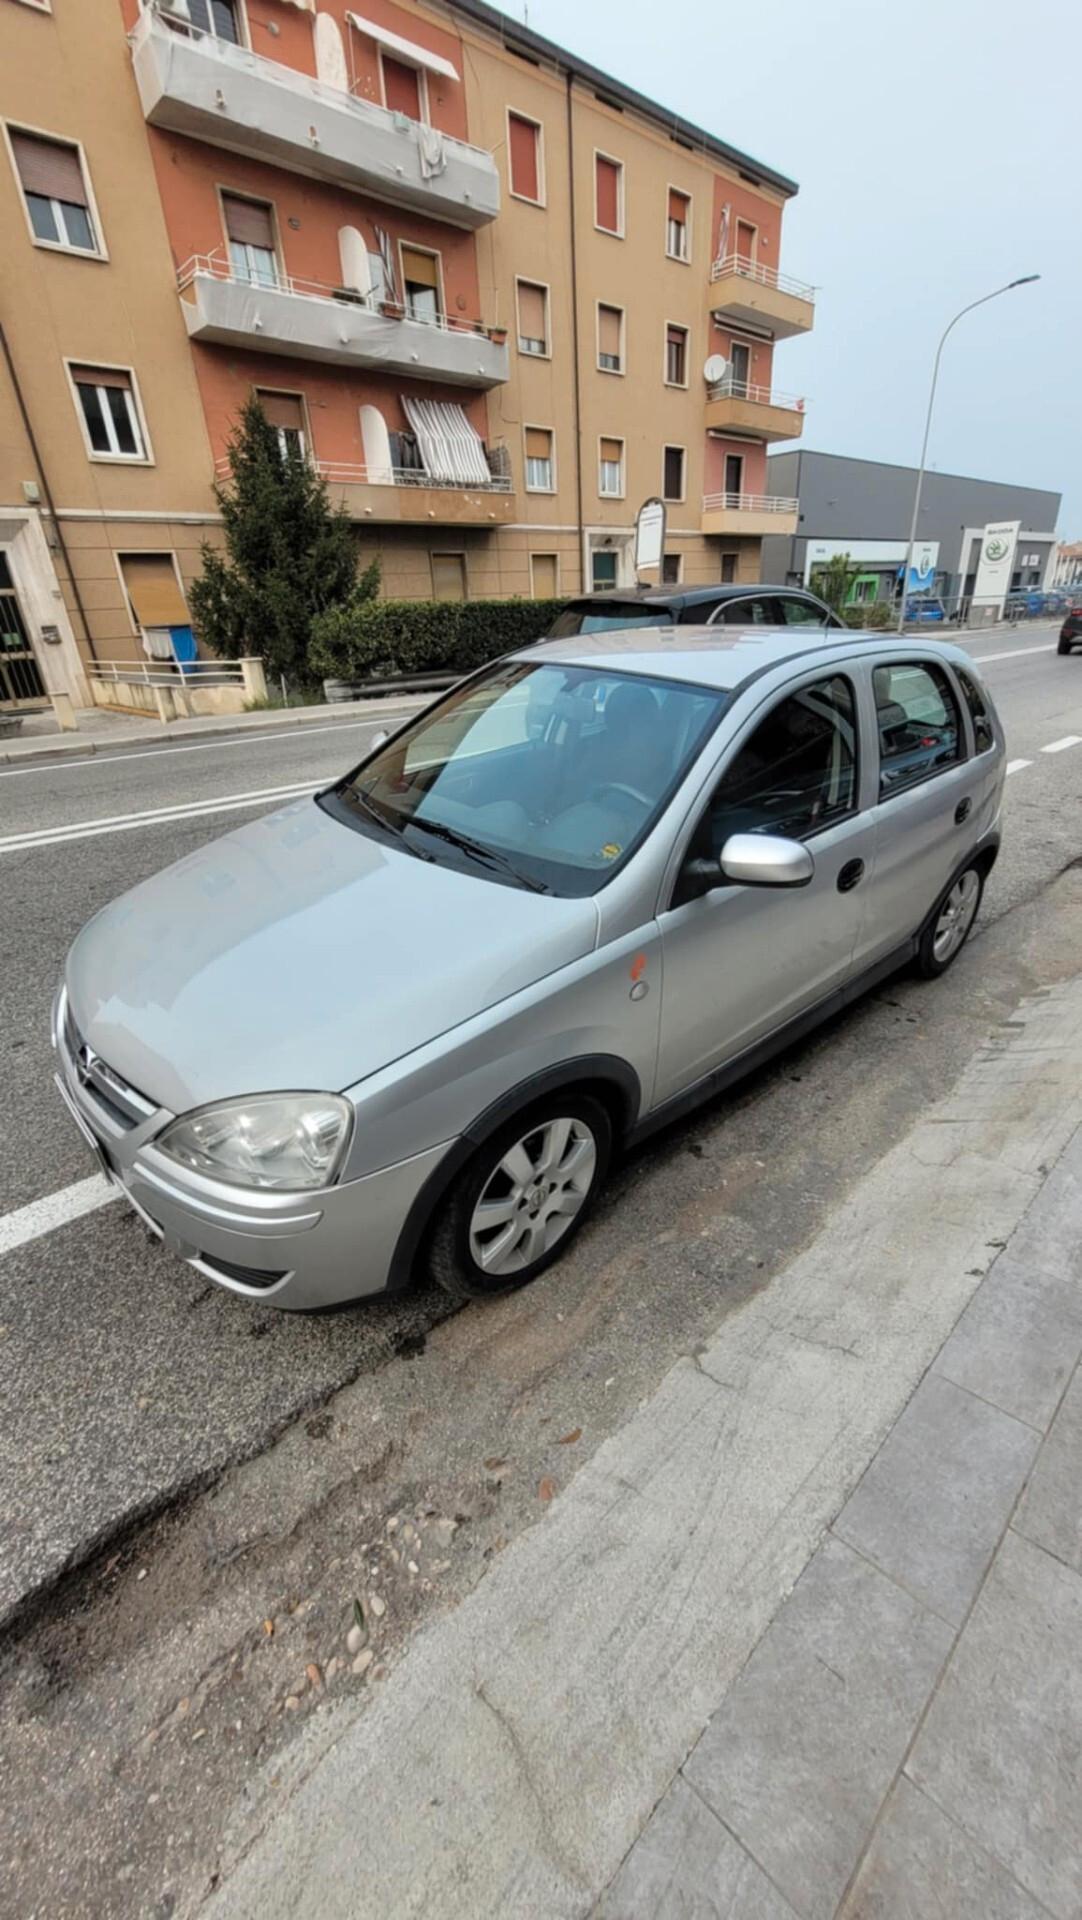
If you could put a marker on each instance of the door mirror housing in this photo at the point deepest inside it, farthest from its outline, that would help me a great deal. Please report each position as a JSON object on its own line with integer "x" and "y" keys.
{"x": 378, "y": 740}
{"x": 765, "y": 860}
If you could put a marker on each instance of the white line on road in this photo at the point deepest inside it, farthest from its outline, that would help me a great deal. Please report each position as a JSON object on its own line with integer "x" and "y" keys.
{"x": 55, "y": 1210}
{"x": 1016, "y": 653}
{"x": 158, "y": 816}
{"x": 1015, "y": 766}
{"x": 1060, "y": 746}
{"x": 55, "y": 765}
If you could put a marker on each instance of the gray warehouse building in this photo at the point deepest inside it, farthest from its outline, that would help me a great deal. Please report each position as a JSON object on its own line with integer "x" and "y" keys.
{"x": 864, "y": 507}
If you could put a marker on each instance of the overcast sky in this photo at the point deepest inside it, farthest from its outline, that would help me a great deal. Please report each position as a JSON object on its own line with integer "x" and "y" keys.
{"x": 938, "y": 148}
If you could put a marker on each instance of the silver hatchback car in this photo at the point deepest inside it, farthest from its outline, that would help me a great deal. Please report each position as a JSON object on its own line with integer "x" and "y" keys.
{"x": 404, "y": 1025}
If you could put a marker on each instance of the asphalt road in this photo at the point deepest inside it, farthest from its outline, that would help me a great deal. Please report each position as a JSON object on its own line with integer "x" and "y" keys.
{"x": 124, "y": 1378}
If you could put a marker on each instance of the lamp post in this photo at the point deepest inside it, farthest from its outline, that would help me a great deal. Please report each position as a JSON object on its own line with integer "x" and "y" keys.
{"x": 1026, "y": 280}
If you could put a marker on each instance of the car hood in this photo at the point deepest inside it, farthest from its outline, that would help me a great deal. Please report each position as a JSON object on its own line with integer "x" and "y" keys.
{"x": 296, "y": 953}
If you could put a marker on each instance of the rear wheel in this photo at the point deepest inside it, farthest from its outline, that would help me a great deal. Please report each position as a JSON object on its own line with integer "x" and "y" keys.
{"x": 951, "y": 924}
{"x": 1065, "y": 646}
{"x": 523, "y": 1197}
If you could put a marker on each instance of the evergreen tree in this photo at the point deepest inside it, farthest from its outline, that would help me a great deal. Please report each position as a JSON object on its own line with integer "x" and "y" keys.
{"x": 289, "y": 554}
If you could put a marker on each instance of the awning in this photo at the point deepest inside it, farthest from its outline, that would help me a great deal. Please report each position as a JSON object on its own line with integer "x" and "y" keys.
{"x": 407, "y": 49}
{"x": 450, "y": 448}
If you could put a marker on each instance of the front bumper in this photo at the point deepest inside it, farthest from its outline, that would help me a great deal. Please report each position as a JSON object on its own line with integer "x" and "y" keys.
{"x": 294, "y": 1250}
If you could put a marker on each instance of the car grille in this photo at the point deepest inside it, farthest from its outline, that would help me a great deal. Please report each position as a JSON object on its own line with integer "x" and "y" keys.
{"x": 123, "y": 1103}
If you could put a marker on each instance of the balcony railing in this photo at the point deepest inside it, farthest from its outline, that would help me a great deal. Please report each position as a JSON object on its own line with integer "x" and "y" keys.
{"x": 763, "y": 275}
{"x": 193, "y": 83}
{"x": 344, "y": 474}
{"x": 218, "y": 266}
{"x": 749, "y": 503}
{"x": 731, "y": 389}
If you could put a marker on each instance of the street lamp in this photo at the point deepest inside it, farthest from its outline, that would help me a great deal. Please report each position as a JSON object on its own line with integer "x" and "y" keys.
{"x": 1026, "y": 280}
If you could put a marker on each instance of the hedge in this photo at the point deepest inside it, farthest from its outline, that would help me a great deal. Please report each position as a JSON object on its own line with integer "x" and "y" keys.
{"x": 375, "y": 639}
{"x": 875, "y": 618}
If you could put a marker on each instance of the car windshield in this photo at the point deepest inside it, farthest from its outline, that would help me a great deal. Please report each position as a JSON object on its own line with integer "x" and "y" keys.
{"x": 544, "y": 776}
{"x": 608, "y": 617}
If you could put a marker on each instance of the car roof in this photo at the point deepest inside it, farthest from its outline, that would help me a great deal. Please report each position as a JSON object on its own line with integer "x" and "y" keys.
{"x": 721, "y": 657}
{"x": 683, "y": 596}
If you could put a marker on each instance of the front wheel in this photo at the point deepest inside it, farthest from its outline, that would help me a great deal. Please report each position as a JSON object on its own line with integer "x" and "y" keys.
{"x": 523, "y": 1197}
{"x": 951, "y": 924}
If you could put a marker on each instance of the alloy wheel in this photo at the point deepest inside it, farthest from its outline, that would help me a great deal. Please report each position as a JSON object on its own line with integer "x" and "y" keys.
{"x": 532, "y": 1196}
{"x": 956, "y": 916}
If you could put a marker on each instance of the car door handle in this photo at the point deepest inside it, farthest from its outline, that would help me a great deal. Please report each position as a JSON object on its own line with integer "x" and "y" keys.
{"x": 961, "y": 811}
{"x": 850, "y": 876}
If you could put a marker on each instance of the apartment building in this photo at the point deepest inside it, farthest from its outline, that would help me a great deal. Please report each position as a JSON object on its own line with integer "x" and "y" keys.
{"x": 498, "y": 299}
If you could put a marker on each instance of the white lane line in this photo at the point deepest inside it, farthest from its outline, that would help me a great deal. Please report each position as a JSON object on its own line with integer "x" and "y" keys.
{"x": 1015, "y": 766}
{"x": 1016, "y": 653}
{"x": 200, "y": 746}
{"x": 159, "y": 816}
{"x": 55, "y": 1210}
{"x": 1060, "y": 746}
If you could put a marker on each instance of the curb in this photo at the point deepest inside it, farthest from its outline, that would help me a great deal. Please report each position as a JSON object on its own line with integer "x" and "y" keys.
{"x": 72, "y": 747}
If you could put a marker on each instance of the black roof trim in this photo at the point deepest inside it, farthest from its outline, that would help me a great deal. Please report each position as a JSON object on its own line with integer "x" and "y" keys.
{"x": 521, "y": 39}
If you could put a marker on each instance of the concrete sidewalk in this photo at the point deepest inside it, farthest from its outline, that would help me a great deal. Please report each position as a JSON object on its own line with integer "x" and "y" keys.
{"x": 805, "y": 1637}
{"x": 103, "y": 732}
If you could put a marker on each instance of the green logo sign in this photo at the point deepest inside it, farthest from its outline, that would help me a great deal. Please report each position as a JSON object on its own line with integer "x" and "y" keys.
{"x": 996, "y": 548}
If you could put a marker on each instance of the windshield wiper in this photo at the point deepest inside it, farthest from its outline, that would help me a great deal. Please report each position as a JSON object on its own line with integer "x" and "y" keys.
{"x": 357, "y": 797}
{"x": 489, "y": 856}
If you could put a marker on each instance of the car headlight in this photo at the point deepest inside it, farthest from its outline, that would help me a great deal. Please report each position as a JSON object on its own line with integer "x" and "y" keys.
{"x": 272, "y": 1140}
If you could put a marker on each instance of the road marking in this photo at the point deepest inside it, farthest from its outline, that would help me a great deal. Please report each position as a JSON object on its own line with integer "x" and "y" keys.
{"x": 55, "y": 1210}
{"x": 1060, "y": 746}
{"x": 158, "y": 816}
{"x": 201, "y": 746}
{"x": 1016, "y": 653}
{"x": 1015, "y": 766}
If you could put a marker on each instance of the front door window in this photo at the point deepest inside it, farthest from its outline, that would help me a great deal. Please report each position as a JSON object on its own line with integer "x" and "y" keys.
{"x": 797, "y": 773}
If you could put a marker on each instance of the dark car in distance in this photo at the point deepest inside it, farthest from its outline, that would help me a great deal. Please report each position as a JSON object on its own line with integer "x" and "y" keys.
{"x": 723, "y": 604}
{"x": 1070, "y": 634}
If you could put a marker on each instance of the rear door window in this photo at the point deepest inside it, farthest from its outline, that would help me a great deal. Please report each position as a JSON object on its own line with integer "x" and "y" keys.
{"x": 983, "y": 731}
{"x": 919, "y": 724}
{"x": 802, "y": 613}
{"x": 751, "y": 610}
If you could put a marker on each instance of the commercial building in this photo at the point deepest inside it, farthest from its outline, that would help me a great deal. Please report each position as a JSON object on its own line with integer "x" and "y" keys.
{"x": 865, "y": 508}
{"x": 497, "y": 297}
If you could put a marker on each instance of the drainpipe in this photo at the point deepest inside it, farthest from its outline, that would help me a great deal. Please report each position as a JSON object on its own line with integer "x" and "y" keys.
{"x": 47, "y": 490}
{"x": 576, "y": 388}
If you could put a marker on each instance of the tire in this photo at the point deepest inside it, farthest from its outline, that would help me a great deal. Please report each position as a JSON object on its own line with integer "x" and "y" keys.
{"x": 575, "y": 1129}
{"x": 1065, "y": 646}
{"x": 949, "y": 927}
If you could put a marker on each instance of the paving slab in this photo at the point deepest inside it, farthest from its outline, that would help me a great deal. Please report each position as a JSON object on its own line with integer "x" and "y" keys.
{"x": 802, "y": 1751}
{"x": 934, "y": 1502}
{"x": 920, "y": 1866}
{"x": 1050, "y": 1511}
{"x": 1019, "y": 1339}
{"x": 685, "y": 1866}
{"x": 1000, "y": 1748}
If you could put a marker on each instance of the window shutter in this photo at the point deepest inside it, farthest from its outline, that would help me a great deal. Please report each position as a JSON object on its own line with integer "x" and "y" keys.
{"x": 538, "y": 443}
{"x": 249, "y": 222}
{"x": 153, "y": 591}
{"x": 50, "y": 168}
{"x": 531, "y": 311}
{"x": 610, "y": 451}
{"x": 608, "y": 194}
{"x": 282, "y": 409}
{"x": 525, "y": 172}
{"x": 401, "y": 87}
{"x": 449, "y": 576}
{"x": 543, "y": 572}
{"x": 101, "y": 377}
{"x": 608, "y": 330}
{"x": 678, "y": 206}
{"x": 421, "y": 269}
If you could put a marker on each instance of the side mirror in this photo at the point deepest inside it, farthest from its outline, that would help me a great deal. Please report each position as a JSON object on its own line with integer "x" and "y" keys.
{"x": 766, "y": 860}
{"x": 378, "y": 740}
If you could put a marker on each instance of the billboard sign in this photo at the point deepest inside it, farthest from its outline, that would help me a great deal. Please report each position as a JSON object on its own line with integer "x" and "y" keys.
{"x": 996, "y": 564}
{"x": 650, "y": 536}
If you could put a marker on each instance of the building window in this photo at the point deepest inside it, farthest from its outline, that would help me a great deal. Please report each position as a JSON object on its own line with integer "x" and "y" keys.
{"x": 285, "y": 412}
{"x": 676, "y": 356}
{"x": 545, "y": 576}
{"x": 55, "y": 192}
{"x": 524, "y": 147}
{"x": 533, "y": 317}
{"x": 220, "y": 18}
{"x": 672, "y": 485}
{"x": 611, "y": 469}
{"x": 728, "y": 568}
{"x": 747, "y": 238}
{"x": 421, "y": 284}
{"x": 734, "y": 479}
{"x": 249, "y": 226}
{"x": 678, "y": 226}
{"x": 403, "y": 88}
{"x": 154, "y": 591}
{"x": 540, "y": 466}
{"x": 110, "y": 414}
{"x": 672, "y": 566}
{"x": 739, "y": 369}
{"x": 610, "y": 338}
{"x": 449, "y": 576}
{"x": 602, "y": 569}
{"x": 608, "y": 194}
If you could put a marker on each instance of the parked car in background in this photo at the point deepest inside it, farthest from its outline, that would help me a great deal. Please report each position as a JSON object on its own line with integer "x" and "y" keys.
{"x": 402, "y": 1026}
{"x": 925, "y": 609}
{"x": 1070, "y": 634}
{"x": 733, "y": 606}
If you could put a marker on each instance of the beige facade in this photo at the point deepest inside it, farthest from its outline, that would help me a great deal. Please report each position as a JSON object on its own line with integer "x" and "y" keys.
{"x": 563, "y": 286}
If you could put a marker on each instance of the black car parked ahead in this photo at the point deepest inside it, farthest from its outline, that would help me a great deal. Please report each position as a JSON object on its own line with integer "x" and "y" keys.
{"x": 759, "y": 606}
{"x": 1070, "y": 634}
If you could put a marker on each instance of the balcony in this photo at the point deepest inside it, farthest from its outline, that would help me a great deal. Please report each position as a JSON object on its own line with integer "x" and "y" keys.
{"x": 752, "y": 513}
{"x": 754, "y": 413}
{"x": 305, "y": 320}
{"x": 402, "y": 496}
{"x": 191, "y": 83}
{"x": 744, "y": 293}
